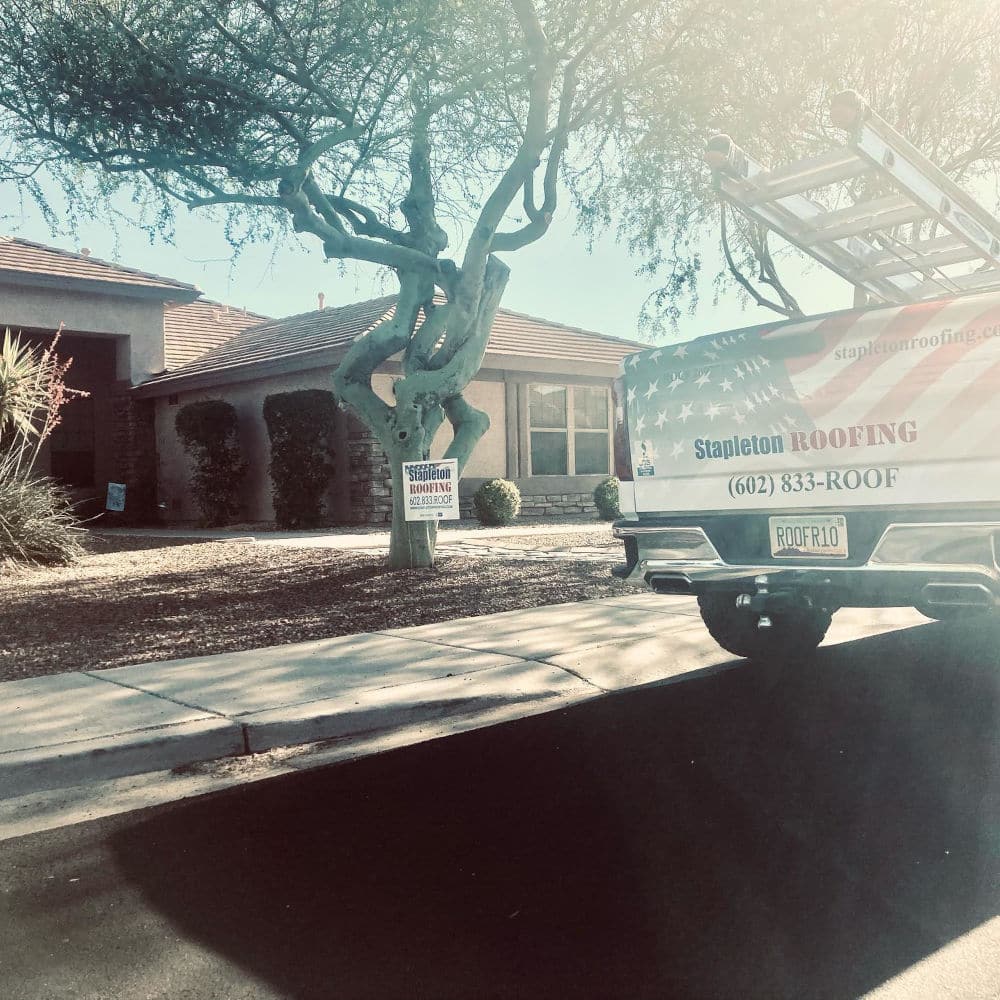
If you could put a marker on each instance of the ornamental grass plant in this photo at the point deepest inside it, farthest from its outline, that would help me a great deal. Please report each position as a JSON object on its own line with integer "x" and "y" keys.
{"x": 37, "y": 524}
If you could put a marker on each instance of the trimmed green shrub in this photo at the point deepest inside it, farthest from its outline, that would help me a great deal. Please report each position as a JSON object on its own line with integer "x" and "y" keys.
{"x": 301, "y": 427}
{"x": 606, "y": 499}
{"x": 207, "y": 430}
{"x": 496, "y": 503}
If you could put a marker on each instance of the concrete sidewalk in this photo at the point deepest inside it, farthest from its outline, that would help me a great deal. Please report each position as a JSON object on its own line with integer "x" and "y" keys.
{"x": 78, "y": 728}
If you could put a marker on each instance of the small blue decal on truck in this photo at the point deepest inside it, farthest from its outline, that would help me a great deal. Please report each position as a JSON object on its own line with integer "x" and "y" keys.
{"x": 646, "y": 467}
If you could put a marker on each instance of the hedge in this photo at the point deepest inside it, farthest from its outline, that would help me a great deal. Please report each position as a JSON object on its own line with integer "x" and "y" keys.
{"x": 208, "y": 432}
{"x": 301, "y": 427}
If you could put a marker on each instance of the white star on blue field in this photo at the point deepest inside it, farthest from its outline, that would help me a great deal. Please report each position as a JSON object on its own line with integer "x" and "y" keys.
{"x": 714, "y": 387}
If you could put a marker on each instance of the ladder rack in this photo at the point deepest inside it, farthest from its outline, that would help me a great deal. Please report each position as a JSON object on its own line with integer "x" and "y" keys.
{"x": 862, "y": 242}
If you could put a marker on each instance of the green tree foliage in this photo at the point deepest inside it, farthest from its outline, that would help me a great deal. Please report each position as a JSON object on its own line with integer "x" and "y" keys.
{"x": 301, "y": 427}
{"x": 434, "y": 137}
{"x": 208, "y": 432}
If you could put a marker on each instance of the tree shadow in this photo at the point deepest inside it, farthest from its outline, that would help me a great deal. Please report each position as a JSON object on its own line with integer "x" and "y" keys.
{"x": 98, "y": 544}
{"x": 717, "y": 838}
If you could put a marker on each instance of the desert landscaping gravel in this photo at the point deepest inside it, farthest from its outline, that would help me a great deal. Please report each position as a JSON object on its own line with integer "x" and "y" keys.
{"x": 134, "y": 600}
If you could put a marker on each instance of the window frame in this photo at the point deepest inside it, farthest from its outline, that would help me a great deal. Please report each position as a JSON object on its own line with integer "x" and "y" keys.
{"x": 569, "y": 430}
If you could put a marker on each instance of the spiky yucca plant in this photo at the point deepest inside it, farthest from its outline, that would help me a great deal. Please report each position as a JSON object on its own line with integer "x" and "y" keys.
{"x": 24, "y": 392}
{"x": 36, "y": 518}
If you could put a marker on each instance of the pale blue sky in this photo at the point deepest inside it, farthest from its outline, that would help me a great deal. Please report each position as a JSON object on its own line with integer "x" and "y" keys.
{"x": 555, "y": 278}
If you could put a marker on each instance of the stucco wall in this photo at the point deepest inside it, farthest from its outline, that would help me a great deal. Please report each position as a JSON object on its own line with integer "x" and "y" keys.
{"x": 248, "y": 400}
{"x": 139, "y": 320}
{"x": 489, "y": 459}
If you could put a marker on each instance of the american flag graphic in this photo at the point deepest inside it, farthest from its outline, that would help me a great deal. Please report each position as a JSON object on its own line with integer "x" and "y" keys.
{"x": 935, "y": 365}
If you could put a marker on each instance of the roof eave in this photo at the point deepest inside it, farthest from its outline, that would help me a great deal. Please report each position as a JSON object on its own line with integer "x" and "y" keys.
{"x": 166, "y": 385}
{"x": 160, "y": 293}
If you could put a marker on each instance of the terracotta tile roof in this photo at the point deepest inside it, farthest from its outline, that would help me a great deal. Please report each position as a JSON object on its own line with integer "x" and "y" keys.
{"x": 278, "y": 340}
{"x": 27, "y": 263}
{"x": 518, "y": 335}
{"x": 191, "y": 329}
{"x": 320, "y": 338}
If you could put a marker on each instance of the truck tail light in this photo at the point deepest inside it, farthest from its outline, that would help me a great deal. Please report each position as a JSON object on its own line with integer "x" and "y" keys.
{"x": 623, "y": 454}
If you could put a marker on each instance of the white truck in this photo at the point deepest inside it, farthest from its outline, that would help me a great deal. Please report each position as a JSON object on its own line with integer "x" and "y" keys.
{"x": 783, "y": 471}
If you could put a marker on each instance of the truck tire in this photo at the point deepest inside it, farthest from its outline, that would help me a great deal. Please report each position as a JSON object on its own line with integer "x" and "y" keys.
{"x": 793, "y": 635}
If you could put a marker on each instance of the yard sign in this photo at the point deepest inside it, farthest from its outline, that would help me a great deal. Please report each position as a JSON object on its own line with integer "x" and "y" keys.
{"x": 430, "y": 490}
{"x": 116, "y": 497}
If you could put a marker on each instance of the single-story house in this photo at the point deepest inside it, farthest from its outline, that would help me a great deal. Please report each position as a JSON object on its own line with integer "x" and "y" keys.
{"x": 143, "y": 346}
{"x": 114, "y": 330}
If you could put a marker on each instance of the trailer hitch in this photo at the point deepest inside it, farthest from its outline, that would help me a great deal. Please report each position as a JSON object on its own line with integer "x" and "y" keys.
{"x": 765, "y": 602}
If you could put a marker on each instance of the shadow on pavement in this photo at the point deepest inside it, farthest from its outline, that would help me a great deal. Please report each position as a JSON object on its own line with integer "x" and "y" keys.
{"x": 708, "y": 839}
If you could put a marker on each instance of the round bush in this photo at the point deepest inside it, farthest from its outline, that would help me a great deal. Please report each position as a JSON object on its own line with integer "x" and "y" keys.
{"x": 606, "y": 499}
{"x": 496, "y": 503}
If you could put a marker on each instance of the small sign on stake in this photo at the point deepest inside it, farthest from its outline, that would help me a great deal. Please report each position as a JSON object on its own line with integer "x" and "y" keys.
{"x": 430, "y": 490}
{"x": 116, "y": 497}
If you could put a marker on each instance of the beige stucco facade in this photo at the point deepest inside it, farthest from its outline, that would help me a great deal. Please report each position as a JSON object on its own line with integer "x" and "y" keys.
{"x": 503, "y": 452}
{"x": 247, "y": 398}
{"x": 489, "y": 460}
{"x": 136, "y": 324}
{"x": 113, "y": 337}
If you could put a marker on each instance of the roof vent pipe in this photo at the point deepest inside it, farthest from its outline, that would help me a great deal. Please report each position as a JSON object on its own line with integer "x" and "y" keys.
{"x": 322, "y": 299}
{"x": 84, "y": 251}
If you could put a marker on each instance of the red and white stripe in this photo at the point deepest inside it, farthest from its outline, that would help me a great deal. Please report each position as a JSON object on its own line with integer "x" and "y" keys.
{"x": 950, "y": 390}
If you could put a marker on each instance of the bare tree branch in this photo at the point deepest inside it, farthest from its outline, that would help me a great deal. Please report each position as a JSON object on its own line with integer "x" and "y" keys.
{"x": 745, "y": 283}
{"x": 333, "y": 105}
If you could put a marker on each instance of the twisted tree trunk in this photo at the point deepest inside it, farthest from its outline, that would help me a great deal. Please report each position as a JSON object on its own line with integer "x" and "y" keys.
{"x": 441, "y": 356}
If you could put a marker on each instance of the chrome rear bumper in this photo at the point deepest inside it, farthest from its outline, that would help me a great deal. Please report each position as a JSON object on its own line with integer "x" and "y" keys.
{"x": 952, "y": 563}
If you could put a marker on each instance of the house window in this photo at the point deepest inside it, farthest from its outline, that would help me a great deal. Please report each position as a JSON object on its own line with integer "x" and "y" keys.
{"x": 568, "y": 430}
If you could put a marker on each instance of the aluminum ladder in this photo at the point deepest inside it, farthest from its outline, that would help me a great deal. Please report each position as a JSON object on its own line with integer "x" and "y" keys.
{"x": 862, "y": 242}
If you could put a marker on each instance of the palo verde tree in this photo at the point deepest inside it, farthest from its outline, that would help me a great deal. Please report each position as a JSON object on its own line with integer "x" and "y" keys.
{"x": 372, "y": 124}
{"x": 432, "y": 138}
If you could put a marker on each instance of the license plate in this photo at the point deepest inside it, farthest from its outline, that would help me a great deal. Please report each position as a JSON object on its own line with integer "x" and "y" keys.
{"x": 807, "y": 537}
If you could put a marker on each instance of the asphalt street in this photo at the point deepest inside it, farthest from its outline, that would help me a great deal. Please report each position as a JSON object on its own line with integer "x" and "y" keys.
{"x": 829, "y": 836}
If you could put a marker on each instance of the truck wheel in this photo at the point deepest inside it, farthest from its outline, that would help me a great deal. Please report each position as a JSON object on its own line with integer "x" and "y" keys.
{"x": 793, "y": 634}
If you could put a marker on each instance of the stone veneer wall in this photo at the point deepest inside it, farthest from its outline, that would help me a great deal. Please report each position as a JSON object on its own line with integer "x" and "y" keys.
{"x": 133, "y": 433}
{"x": 371, "y": 478}
{"x": 544, "y": 505}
